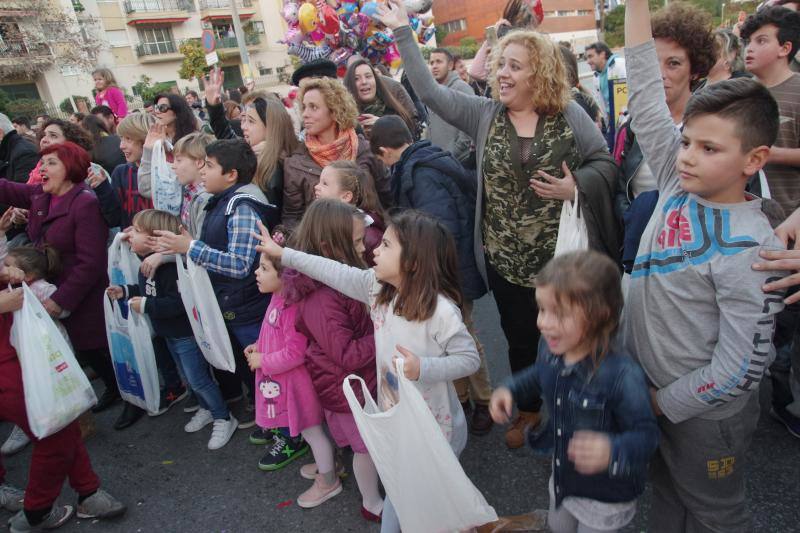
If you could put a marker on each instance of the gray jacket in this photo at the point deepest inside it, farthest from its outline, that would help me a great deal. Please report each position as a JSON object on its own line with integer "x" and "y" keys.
{"x": 444, "y": 133}
{"x": 474, "y": 115}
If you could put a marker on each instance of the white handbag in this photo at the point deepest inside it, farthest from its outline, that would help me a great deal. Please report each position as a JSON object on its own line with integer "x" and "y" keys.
{"x": 422, "y": 476}
{"x": 572, "y": 233}
{"x": 56, "y": 389}
{"x": 204, "y": 315}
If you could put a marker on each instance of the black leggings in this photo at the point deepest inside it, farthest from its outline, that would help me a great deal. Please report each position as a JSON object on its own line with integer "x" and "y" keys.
{"x": 518, "y": 312}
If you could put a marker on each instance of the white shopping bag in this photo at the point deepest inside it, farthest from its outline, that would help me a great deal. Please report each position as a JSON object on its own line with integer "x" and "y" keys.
{"x": 56, "y": 389}
{"x": 133, "y": 357}
{"x": 572, "y": 234}
{"x": 204, "y": 315}
{"x": 421, "y": 474}
{"x": 167, "y": 195}
{"x": 123, "y": 266}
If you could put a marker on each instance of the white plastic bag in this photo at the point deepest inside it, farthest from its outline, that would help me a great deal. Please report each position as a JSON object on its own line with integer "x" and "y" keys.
{"x": 766, "y": 194}
{"x": 132, "y": 356}
{"x": 204, "y": 315}
{"x": 56, "y": 389}
{"x": 166, "y": 189}
{"x": 421, "y": 474}
{"x": 123, "y": 264}
{"x": 572, "y": 233}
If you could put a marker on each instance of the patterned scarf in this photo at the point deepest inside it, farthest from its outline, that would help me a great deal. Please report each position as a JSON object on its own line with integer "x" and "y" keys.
{"x": 376, "y": 107}
{"x": 345, "y": 147}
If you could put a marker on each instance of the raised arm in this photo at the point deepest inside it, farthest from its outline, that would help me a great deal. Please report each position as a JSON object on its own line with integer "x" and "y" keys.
{"x": 458, "y": 109}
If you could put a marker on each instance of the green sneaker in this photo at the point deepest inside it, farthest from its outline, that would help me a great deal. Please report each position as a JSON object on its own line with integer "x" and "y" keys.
{"x": 263, "y": 437}
{"x": 282, "y": 451}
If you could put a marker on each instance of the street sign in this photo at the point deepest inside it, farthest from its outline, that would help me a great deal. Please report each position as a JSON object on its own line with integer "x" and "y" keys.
{"x": 212, "y": 59}
{"x": 209, "y": 42}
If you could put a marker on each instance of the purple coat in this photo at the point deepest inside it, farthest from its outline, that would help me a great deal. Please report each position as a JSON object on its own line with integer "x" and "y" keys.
{"x": 77, "y": 230}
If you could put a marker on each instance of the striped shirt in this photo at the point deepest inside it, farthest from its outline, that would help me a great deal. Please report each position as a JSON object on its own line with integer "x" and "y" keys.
{"x": 784, "y": 180}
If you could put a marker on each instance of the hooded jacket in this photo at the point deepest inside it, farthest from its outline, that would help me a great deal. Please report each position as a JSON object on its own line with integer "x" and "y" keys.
{"x": 431, "y": 180}
{"x": 441, "y": 133}
{"x": 341, "y": 339}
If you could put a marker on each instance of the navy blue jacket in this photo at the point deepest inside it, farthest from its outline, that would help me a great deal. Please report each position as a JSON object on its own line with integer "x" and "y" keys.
{"x": 431, "y": 180}
{"x": 612, "y": 399}
{"x": 163, "y": 304}
{"x": 239, "y": 299}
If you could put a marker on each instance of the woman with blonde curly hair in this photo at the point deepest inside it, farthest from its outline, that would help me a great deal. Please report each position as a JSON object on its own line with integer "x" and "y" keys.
{"x": 536, "y": 148}
{"x": 329, "y": 119}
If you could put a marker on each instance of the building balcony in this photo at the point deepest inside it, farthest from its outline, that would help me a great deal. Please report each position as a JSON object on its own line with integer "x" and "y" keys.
{"x": 158, "y": 52}
{"x": 22, "y": 49}
{"x": 221, "y": 9}
{"x": 227, "y": 46}
{"x": 157, "y": 11}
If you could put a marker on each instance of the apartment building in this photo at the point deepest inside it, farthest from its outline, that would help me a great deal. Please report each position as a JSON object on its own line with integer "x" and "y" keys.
{"x": 143, "y": 37}
{"x": 564, "y": 20}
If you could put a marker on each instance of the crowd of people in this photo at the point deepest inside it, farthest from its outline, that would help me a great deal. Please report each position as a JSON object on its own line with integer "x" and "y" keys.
{"x": 349, "y": 229}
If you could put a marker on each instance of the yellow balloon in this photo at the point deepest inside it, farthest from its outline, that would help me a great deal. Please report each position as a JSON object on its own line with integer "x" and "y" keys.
{"x": 307, "y": 16}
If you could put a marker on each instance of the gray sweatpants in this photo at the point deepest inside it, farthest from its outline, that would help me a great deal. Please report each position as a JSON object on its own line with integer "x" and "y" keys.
{"x": 698, "y": 474}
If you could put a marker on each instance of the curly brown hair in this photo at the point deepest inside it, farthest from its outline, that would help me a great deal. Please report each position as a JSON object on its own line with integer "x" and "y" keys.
{"x": 690, "y": 27}
{"x": 338, "y": 99}
{"x": 72, "y": 132}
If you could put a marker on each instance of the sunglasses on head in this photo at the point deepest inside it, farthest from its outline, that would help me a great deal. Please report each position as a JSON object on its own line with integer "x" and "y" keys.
{"x": 162, "y": 108}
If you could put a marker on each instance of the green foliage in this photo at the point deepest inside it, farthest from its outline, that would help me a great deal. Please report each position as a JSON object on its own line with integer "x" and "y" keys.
{"x": 25, "y": 106}
{"x": 66, "y": 105}
{"x": 194, "y": 60}
{"x": 148, "y": 90}
{"x": 4, "y": 101}
{"x": 441, "y": 33}
{"x": 468, "y": 47}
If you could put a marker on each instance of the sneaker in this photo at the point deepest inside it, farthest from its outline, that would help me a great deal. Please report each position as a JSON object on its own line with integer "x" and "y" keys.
{"x": 11, "y": 498}
{"x": 15, "y": 442}
{"x": 261, "y": 436}
{"x": 283, "y": 451}
{"x": 57, "y": 517}
{"x": 201, "y": 419}
{"x": 246, "y": 413}
{"x": 191, "y": 404}
{"x": 100, "y": 505}
{"x": 168, "y": 399}
{"x": 309, "y": 471}
{"x": 786, "y": 418}
{"x": 222, "y": 432}
{"x": 515, "y": 435}
{"x": 319, "y": 493}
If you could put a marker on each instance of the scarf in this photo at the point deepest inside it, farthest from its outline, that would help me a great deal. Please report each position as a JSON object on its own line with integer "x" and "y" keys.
{"x": 376, "y": 107}
{"x": 345, "y": 147}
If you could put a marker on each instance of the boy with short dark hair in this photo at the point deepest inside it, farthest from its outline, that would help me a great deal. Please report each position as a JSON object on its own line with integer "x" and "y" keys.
{"x": 695, "y": 316}
{"x": 226, "y": 248}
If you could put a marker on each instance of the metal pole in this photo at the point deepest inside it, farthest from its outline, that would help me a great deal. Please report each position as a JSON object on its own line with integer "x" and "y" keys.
{"x": 722, "y": 17}
{"x": 240, "y": 39}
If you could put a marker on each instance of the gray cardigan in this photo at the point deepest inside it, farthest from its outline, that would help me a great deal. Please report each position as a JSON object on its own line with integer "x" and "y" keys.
{"x": 474, "y": 115}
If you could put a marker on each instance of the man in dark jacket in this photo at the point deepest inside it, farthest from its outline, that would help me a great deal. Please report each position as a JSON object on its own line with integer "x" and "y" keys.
{"x": 18, "y": 156}
{"x": 426, "y": 178}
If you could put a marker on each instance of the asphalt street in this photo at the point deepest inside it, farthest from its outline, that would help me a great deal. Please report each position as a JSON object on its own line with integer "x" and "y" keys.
{"x": 172, "y": 483}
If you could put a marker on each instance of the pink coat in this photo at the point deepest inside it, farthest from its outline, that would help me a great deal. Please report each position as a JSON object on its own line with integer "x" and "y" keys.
{"x": 114, "y": 98}
{"x": 286, "y": 396}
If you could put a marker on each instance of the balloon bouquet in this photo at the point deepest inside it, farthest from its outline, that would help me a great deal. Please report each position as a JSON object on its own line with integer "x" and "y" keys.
{"x": 337, "y": 29}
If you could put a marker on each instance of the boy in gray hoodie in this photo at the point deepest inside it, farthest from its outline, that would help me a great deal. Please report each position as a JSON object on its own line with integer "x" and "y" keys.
{"x": 696, "y": 316}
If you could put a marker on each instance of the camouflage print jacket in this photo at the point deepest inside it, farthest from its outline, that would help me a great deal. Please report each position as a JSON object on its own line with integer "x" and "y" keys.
{"x": 475, "y": 115}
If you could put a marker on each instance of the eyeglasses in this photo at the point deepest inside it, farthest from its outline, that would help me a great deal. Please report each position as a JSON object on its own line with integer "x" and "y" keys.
{"x": 162, "y": 108}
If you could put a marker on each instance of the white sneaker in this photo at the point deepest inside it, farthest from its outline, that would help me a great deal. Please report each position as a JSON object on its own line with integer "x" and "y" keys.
{"x": 201, "y": 419}
{"x": 15, "y": 442}
{"x": 222, "y": 432}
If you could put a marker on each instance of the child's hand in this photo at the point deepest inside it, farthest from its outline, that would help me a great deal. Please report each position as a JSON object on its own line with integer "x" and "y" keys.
{"x": 95, "y": 178}
{"x": 267, "y": 246}
{"x": 410, "y": 363}
{"x": 170, "y": 243}
{"x": 115, "y": 292}
{"x": 20, "y": 217}
{"x": 12, "y": 275}
{"x": 151, "y": 264}
{"x": 501, "y": 405}
{"x": 11, "y": 300}
{"x": 52, "y": 308}
{"x": 135, "y": 303}
{"x": 590, "y": 451}
{"x": 654, "y": 401}
{"x": 253, "y": 357}
{"x": 7, "y": 220}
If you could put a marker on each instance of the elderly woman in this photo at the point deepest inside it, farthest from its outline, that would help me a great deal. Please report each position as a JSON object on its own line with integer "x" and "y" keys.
{"x": 64, "y": 213}
{"x": 535, "y": 149}
{"x": 329, "y": 118}
{"x": 375, "y": 99}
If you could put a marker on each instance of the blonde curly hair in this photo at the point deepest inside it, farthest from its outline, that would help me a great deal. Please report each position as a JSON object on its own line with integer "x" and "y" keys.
{"x": 548, "y": 78}
{"x": 338, "y": 99}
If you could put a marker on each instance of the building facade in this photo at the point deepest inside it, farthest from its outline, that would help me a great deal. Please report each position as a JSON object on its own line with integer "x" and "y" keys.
{"x": 143, "y": 37}
{"x": 564, "y": 20}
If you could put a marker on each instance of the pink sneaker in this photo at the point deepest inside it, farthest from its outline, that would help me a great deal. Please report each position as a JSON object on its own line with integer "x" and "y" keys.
{"x": 319, "y": 493}
{"x": 309, "y": 471}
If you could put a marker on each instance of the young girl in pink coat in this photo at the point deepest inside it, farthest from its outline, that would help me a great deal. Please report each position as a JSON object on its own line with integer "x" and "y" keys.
{"x": 286, "y": 398}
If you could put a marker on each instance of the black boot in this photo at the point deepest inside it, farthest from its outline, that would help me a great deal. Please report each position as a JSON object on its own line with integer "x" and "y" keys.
{"x": 130, "y": 414}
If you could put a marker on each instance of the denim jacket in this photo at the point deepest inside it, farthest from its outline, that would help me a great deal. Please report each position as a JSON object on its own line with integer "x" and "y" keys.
{"x": 612, "y": 399}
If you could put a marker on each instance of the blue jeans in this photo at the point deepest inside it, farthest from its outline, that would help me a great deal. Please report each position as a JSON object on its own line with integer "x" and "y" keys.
{"x": 166, "y": 364}
{"x": 194, "y": 366}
